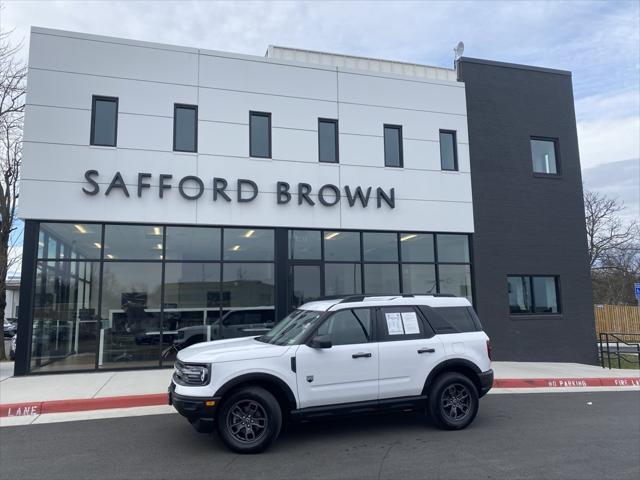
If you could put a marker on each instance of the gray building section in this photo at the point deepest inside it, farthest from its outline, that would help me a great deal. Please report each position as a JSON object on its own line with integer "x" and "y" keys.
{"x": 525, "y": 223}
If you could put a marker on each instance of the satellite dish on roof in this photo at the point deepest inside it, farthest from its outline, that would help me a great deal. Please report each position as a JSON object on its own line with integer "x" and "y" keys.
{"x": 459, "y": 50}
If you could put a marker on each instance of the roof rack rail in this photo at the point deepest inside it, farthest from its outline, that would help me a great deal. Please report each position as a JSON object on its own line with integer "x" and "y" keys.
{"x": 353, "y": 298}
{"x": 442, "y": 294}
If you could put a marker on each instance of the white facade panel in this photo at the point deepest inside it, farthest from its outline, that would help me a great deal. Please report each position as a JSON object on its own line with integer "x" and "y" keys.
{"x": 229, "y": 106}
{"x": 98, "y": 56}
{"x": 71, "y": 90}
{"x": 148, "y": 79}
{"x": 262, "y": 76}
{"x": 411, "y": 94}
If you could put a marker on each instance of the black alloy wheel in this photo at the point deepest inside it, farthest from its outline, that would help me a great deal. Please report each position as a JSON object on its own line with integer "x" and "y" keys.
{"x": 249, "y": 419}
{"x": 452, "y": 401}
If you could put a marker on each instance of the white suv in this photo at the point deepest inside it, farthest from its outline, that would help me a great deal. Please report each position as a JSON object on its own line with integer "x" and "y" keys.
{"x": 340, "y": 356}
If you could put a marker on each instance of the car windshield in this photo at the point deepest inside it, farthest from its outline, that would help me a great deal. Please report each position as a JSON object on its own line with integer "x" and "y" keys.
{"x": 291, "y": 329}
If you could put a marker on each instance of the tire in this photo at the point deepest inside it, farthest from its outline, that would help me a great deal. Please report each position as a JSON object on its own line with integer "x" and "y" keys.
{"x": 452, "y": 402}
{"x": 250, "y": 420}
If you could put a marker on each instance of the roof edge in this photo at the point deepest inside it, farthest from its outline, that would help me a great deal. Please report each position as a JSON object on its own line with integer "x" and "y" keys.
{"x": 515, "y": 65}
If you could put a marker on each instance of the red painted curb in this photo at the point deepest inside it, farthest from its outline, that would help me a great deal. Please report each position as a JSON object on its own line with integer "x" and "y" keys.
{"x": 565, "y": 382}
{"x": 80, "y": 405}
{"x": 84, "y": 404}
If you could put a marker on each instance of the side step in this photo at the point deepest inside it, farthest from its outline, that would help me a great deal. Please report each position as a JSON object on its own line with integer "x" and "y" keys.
{"x": 357, "y": 408}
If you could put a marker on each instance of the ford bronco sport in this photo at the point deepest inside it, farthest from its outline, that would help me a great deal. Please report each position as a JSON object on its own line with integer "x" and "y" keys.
{"x": 340, "y": 356}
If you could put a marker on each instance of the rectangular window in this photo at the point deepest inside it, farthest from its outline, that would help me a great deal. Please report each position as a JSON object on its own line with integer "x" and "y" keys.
{"x": 393, "y": 146}
{"x": 533, "y": 294}
{"x": 328, "y": 140}
{"x": 260, "y": 134}
{"x": 185, "y": 128}
{"x": 104, "y": 121}
{"x": 448, "y": 150}
{"x": 544, "y": 155}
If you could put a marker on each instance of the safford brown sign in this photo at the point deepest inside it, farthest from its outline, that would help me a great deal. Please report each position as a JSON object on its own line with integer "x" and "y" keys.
{"x": 192, "y": 187}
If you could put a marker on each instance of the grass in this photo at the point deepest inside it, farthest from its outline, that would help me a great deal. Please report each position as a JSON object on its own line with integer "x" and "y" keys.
{"x": 628, "y": 361}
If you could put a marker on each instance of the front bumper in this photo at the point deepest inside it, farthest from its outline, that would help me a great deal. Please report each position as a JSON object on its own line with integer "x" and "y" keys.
{"x": 486, "y": 382}
{"x": 193, "y": 408}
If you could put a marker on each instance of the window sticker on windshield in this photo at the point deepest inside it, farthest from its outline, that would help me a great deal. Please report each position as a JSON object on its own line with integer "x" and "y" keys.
{"x": 394, "y": 323}
{"x": 410, "y": 322}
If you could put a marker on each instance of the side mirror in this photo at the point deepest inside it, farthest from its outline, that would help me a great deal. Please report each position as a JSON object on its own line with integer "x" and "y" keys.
{"x": 321, "y": 341}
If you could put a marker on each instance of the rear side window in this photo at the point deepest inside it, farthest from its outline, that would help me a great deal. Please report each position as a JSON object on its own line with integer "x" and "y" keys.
{"x": 401, "y": 323}
{"x": 451, "y": 319}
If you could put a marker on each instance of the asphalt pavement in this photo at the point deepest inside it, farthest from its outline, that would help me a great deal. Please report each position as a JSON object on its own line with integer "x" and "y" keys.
{"x": 547, "y": 435}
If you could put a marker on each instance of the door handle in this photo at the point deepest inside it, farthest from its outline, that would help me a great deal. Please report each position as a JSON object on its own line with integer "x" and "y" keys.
{"x": 427, "y": 350}
{"x": 361, "y": 355}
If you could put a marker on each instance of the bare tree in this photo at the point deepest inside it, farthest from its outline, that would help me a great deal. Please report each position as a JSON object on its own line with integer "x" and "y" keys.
{"x": 614, "y": 250}
{"x": 607, "y": 232}
{"x": 13, "y": 74}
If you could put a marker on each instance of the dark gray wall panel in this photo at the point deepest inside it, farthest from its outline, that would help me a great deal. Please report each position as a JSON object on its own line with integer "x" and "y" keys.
{"x": 526, "y": 224}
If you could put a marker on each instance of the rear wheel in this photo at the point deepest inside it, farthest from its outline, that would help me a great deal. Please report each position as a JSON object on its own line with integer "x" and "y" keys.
{"x": 453, "y": 401}
{"x": 249, "y": 420}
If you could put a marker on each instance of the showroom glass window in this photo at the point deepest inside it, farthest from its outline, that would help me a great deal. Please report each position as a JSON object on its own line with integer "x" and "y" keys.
{"x": 161, "y": 289}
{"x": 448, "y": 150}
{"x": 260, "y": 134}
{"x": 544, "y": 155}
{"x": 393, "y": 146}
{"x": 185, "y": 128}
{"x": 454, "y": 265}
{"x": 104, "y": 121}
{"x": 65, "y": 309}
{"x": 327, "y": 140}
{"x": 533, "y": 294}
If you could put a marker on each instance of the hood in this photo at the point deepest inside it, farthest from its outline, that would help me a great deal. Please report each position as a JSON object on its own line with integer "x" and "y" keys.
{"x": 244, "y": 348}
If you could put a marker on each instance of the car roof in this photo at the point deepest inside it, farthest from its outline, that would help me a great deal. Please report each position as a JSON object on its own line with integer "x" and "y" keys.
{"x": 333, "y": 304}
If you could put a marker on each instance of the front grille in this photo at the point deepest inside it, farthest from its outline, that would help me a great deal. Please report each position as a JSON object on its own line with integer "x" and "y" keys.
{"x": 190, "y": 374}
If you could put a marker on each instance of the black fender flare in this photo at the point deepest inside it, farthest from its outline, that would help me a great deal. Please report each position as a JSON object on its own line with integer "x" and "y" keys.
{"x": 276, "y": 385}
{"x": 459, "y": 365}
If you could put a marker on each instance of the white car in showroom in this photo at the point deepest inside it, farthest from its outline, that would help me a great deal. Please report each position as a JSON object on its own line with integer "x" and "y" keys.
{"x": 344, "y": 356}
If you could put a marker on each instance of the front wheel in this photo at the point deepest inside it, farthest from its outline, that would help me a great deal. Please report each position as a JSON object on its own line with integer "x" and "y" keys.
{"x": 453, "y": 401}
{"x": 249, "y": 420}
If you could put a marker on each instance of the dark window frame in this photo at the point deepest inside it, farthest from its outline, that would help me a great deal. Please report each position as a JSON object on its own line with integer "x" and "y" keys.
{"x": 185, "y": 106}
{"x": 400, "y": 144}
{"x": 454, "y": 134}
{"x": 532, "y": 306}
{"x": 260, "y": 114}
{"x": 94, "y": 99}
{"x": 556, "y": 151}
{"x": 373, "y": 335}
{"x": 337, "y": 141}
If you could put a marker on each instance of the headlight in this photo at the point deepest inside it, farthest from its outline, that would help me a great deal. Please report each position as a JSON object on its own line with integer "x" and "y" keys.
{"x": 191, "y": 374}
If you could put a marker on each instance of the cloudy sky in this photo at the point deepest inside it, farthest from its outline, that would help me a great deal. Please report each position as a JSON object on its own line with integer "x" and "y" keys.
{"x": 598, "y": 41}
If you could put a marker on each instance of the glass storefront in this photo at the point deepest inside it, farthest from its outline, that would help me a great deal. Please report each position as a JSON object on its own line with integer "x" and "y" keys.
{"x": 109, "y": 296}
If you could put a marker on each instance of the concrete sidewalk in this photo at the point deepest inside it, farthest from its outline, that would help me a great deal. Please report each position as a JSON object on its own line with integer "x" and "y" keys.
{"x": 103, "y": 390}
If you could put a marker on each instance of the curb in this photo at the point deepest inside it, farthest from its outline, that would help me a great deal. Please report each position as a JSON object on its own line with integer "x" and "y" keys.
{"x": 84, "y": 404}
{"x": 80, "y": 405}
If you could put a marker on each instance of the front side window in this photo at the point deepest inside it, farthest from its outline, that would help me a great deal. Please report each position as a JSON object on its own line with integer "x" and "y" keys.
{"x": 448, "y": 150}
{"x": 533, "y": 294}
{"x": 104, "y": 121}
{"x": 348, "y": 327}
{"x": 328, "y": 140}
{"x": 393, "y": 146}
{"x": 185, "y": 128}
{"x": 260, "y": 134}
{"x": 543, "y": 154}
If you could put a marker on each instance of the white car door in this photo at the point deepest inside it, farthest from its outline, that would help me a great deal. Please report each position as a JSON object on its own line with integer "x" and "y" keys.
{"x": 408, "y": 351}
{"x": 348, "y": 370}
